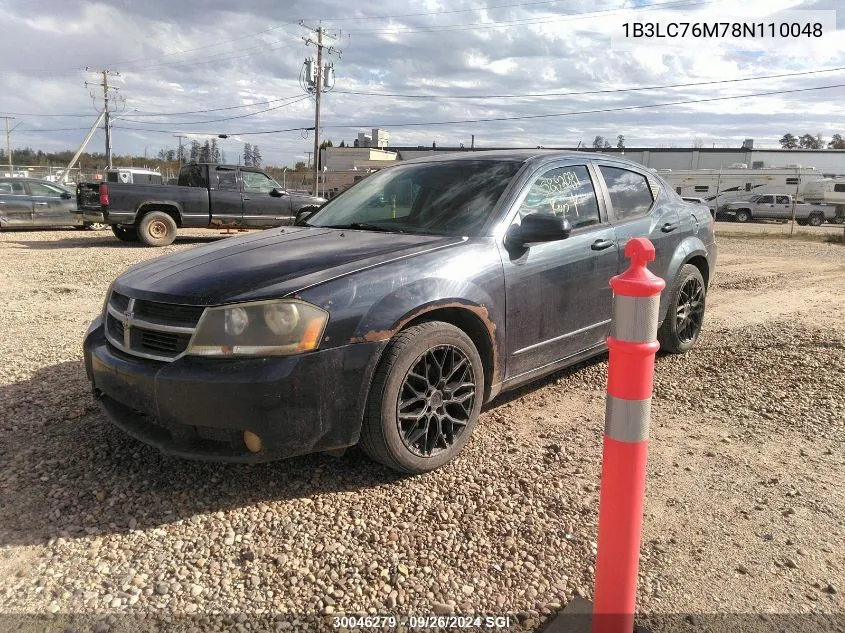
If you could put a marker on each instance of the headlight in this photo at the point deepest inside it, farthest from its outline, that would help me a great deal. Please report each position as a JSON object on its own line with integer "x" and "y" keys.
{"x": 262, "y": 328}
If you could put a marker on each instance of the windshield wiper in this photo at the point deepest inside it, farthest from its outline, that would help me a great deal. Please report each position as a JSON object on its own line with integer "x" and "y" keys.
{"x": 364, "y": 226}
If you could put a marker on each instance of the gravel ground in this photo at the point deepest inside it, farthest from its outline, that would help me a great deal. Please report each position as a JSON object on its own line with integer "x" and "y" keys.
{"x": 744, "y": 510}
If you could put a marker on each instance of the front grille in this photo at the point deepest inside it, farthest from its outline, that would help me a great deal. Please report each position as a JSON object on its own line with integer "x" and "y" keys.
{"x": 150, "y": 329}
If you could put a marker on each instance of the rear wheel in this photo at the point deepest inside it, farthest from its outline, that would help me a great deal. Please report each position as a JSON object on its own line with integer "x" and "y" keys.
{"x": 801, "y": 222}
{"x": 742, "y": 215}
{"x": 125, "y": 233}
{"x": 425, "y": 398}
{"x": 157, "y": 228}
{"x": 815, "y": 219}
{"x": 95, "y": 226}
{"x": 685, "y": 315}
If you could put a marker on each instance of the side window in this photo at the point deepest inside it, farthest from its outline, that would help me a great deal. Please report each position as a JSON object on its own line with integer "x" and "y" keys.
{"x": 782, "y": 200}
{"x": 5, "y": 187}
{"x": 766, "y": 200}
{"x": 40, "y": 189}
{"x": 839, "y": 188}
{"x": 566, "y": 191}
{"x": 192, "y": 176}
{"x": 256, "y": 182}
{"x": 227, "y": 179}
{"x": 630, "y": 193}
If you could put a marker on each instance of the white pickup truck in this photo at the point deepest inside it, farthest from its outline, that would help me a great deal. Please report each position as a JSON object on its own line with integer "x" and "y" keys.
{"x": 777, "y": 207}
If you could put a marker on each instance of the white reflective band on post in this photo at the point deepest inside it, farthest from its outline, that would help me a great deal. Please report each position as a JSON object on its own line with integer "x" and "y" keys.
{"x": 635, "y": 318}
{"x": 627, "y": 420}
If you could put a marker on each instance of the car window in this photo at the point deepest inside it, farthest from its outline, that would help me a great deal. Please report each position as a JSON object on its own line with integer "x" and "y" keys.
{"x": 782, "y": 199}
{"x": 43, "y": 189}
{"x": 5, "y": 187}
{"x": 255, "y": 182}
{"x": 766, "y": 200}
{"x": 192, "y": 176}
{"x": 630, "y": 193}
{"x": 227, "y": 179}
{"x": 565, "y": 191}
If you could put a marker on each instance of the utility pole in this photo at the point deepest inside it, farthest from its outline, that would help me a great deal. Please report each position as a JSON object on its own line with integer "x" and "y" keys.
{"x": 106, "y": 99}
{"x": 8, "y": 140}
{"x": 179, "y": 154}
{"x": 317, "y": 85}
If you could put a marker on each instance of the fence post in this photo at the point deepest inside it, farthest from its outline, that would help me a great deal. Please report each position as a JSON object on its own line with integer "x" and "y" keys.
{"x": 632, "y": 345}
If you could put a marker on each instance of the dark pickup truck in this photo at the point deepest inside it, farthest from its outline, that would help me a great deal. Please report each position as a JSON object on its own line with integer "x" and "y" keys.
{"x": 206, "y": 196}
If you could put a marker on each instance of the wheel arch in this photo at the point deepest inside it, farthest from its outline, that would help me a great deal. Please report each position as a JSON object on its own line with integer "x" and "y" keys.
{"x": 170, "y": 208}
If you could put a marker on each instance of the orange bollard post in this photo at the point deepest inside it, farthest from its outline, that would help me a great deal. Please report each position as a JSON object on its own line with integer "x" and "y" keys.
{"x": 632, "y": 344}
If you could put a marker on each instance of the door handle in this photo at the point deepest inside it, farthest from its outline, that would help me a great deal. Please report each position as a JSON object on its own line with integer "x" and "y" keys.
{"x": 669, "y": 227}
{"x": 41, "y": 204}
{"x": 600, "y": 245}
{"x": 245, "y": 198}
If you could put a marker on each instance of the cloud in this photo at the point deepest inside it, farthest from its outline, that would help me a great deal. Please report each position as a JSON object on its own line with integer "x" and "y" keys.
{"x": 186, "y": 57}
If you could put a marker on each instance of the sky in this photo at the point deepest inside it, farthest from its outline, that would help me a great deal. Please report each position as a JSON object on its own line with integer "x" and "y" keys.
{"x": 513, "y": 74}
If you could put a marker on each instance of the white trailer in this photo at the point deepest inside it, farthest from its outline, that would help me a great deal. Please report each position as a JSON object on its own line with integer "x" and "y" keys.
{"x": 717, "y": 187}
{"x": 828, "y": 191}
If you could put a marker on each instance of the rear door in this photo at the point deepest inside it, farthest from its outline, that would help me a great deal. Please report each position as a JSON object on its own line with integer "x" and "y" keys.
{"x": 262, "y": 209}
{"x": 51, "y": 205}
{"x": 783, "y": 207}
{"x": 635, "y": 212}
{"x": 225, "y": 196}
{"x": 15, "y": 203}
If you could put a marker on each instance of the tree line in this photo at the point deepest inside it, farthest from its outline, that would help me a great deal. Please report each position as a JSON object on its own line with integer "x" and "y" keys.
{"x": 808, "y": 141}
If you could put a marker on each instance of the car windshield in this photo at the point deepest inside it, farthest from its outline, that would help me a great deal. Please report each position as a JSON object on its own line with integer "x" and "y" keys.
{"x": 753, "y": 198}
{"x": 445, "y": 197}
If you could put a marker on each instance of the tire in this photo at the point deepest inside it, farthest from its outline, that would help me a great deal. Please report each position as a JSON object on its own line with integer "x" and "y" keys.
{"x": 815, "y": 219}
{"x": 742, "y": 215}
{"x": 125, "y": 233}
{"x": 403, "y": 447}
{"x": 95, "y": 226}
{"x": 801, "y": 222}
{"x": 157, "y": 228}
{"x": 681, "y": 327}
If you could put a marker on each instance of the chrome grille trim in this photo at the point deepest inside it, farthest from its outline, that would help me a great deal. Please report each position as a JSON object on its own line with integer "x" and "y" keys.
{"x": 135, "y": 329}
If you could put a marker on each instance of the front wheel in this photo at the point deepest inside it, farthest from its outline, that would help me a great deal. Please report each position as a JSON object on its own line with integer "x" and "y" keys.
{"x": 685, "y": 315}
{"x": 157, "y": 228}
{"x": 742, "y": 215}
{"x": 425, "y": 398}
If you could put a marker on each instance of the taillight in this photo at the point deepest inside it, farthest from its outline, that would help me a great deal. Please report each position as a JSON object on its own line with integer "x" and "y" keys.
{"x": 104, "y": 194}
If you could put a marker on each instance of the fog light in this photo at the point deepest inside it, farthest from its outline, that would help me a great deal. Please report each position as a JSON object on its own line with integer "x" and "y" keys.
{"x": 252, "y": 441}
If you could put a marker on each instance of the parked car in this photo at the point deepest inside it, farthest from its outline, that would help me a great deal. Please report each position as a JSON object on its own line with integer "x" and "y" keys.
{"x": 207, "y": 195}
{"x": 29, "y": 202}
{"x": 390, "y": 325}
{"x": 699, "y": 201}
{"x": 778, "y": 207}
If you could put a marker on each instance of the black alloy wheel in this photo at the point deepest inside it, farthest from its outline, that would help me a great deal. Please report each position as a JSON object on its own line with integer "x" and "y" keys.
{"x": 687, "y": 300}
{"x": 436, "y": 401}
{"x": 690, "y": 310}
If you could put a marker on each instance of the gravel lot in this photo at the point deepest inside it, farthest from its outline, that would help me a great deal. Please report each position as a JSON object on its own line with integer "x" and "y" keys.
{"x": 745, "y": 507}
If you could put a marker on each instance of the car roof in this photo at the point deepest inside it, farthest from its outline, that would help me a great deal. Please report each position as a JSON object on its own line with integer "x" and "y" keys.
{"x": 518, "y": 155}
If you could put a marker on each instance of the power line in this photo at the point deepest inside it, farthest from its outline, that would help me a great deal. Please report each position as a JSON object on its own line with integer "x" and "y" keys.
{"x": 240, "y": 116}
{"x": 588, "y": 92}
{"x": 562, "y": 114}
{"x": 578, "y": 15}
{"x": 434, "y": 96}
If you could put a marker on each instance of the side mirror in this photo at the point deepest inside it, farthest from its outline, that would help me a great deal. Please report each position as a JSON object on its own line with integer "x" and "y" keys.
{"x": 536, "y": 228}
{"x": 66, "y": 196}
{"x": 278, "y": 193}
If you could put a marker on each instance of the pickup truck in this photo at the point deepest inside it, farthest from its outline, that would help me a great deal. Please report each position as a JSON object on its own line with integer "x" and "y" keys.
{"x": 777, "y": 207}
{"x": 207, "y": 195}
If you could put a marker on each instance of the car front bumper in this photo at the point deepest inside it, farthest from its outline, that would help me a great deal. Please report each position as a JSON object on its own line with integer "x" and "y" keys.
{"x": 200, "y": 407}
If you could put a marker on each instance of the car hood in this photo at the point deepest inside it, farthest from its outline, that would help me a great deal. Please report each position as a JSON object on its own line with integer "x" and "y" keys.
{"x": 276, "y": 261}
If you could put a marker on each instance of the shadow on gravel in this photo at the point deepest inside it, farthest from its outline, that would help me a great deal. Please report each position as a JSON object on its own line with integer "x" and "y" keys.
{"x": 66, "y": 471}
{"x": 107, "y": 240}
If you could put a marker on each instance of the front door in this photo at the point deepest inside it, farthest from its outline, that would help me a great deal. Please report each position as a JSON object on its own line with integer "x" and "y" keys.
{"x": 224, "y": 195}
{"x": 15, "y": 203}
{"x": 631, "y": 196}
{"x": 558, "y": 299}
{"x": 261, "y": 209}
